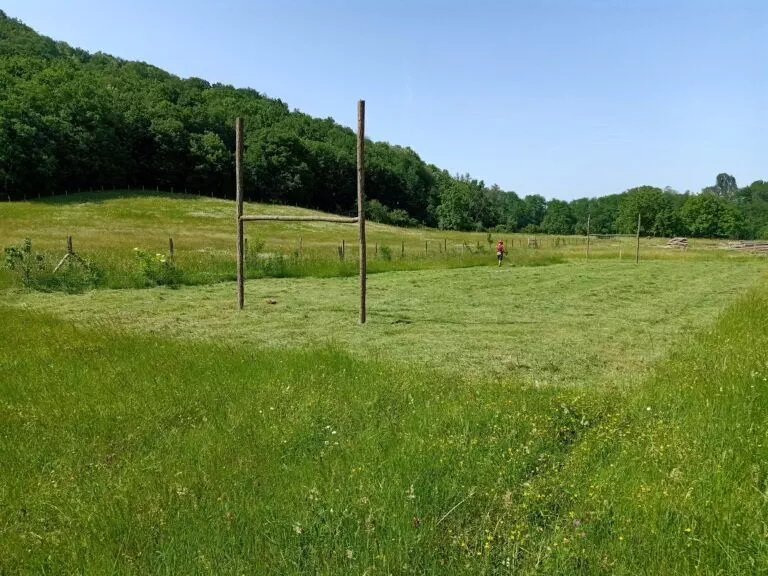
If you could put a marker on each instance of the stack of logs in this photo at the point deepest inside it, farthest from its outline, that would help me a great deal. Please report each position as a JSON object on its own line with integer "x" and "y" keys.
{"x": 677, "y": 242}
{"x": 756, "y": 246}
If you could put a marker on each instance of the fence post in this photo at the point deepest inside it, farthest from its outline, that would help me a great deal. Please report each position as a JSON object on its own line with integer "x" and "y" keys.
{"x": 170, "y": 247}
{"x": 445, "y": 244}
{"x": 239, "y": 211}
{"x": 343, "y": 249}
{"x": 376, "y": 249}
{"x": 588, "y": 218}
{"x": 69, "y": 245}
{"x": 637, "y": 246}
{"x": 360, "y": 203}
{"x": 426, "y": 247}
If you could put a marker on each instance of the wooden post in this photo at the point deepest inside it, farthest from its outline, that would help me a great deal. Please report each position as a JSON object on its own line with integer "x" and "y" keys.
{"x": 376, "y": 249}
{"x": 426, "y": 247}
{"x": 239, "y": 211}
{"x": 402, "y": 248}
{"x": 170, "y": 247}
{"x": 69, "y": 245}
{"x": 343, "y": 249}
{"x": 445, "y": 244}
{"x": 588, "y": 218}
{"x": 637, "y": 246}
{"x": 360, "y": 203}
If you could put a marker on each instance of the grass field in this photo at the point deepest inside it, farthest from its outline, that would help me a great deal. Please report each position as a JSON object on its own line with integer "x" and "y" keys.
{"x": 562, "y": 324}
{"x": 107, "y": 226}
{"x": 138, "y": 454}
{"x": 574, "y": 418}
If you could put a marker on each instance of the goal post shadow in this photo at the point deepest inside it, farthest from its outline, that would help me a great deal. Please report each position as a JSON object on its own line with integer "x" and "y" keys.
{"x": 241, "y": 218}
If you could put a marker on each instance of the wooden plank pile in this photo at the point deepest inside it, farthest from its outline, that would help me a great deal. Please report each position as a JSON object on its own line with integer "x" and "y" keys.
{"x": 750, "y": 246}
{"x": 677, "y": 242}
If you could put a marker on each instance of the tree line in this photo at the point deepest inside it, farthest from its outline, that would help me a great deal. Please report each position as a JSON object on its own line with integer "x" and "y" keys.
{"x": 73, "y": 120}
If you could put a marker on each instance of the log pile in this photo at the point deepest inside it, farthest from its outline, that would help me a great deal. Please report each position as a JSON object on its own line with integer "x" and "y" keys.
{"x": 756, "y": 246}
{"x": 677, "y": 242}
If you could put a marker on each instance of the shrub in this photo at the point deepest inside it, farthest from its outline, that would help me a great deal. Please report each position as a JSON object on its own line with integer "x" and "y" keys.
{"x": 75, "y": 275}
{"x": 376, "y": 211}
{"x": 401, "y": 218}
{"x": 158, "y": 270}
{"x": 36, "y": 272}
{"x": 23, "y": 261}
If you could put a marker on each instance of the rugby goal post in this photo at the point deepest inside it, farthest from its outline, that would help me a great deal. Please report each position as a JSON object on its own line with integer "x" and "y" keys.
{"x": 359, "y": 220}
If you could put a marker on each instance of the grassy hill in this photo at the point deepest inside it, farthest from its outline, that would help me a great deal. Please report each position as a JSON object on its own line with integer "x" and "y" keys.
{"x": 107, "y": 226}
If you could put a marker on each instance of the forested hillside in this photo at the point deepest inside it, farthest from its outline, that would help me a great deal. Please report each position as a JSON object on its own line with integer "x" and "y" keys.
{"x": 70, "y": 119}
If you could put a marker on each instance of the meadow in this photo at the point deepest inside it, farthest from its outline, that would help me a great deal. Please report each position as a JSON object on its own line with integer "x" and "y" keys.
{"x": 569, "y": 418}
{"x": 107, "y": 227}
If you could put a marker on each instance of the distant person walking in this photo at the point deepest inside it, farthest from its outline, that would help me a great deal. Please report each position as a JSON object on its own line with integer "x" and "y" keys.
{"x": 500, "y": 251}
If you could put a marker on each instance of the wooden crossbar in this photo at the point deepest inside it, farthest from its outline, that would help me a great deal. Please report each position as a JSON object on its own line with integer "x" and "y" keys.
{"x": 337, "y": 219}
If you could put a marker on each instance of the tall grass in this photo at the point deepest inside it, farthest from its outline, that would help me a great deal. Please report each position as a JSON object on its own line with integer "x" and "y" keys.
{"x": 121, "y": 269}
{"x": 124, "y": 454}
{"x": 131, "y": 455}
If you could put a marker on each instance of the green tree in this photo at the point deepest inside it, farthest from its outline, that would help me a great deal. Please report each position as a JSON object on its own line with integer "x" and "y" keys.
{"x": 210, "y": 159}
{"x": 725, "y": 186}
{"x": 534, "y": 209}
{"x": 711, "y": 216}
{"x": 647, "y": 201}
{"x": 455, "y": 202}
{"x": 558, "y": 219}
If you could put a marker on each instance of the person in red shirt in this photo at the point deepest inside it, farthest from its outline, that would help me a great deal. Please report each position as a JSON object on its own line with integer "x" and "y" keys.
{"x": 500, "y": 251}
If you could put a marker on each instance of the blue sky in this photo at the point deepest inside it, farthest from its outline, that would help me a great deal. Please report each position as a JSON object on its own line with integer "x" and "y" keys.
{"x": 559, "y": 98}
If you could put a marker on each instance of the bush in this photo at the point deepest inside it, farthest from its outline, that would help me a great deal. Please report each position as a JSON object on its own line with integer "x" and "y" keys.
{"x": 376, "y": 211}
{"x": 159, "y": 270}
{"x": 22, "y": 260}
{"x": 401, "y": 218}
{"x": 36, "y": 272}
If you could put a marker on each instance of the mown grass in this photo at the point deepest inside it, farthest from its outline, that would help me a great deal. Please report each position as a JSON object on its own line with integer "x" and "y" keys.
{"x": 107, "y": 226}
{"x": 567, "y": 324}
{"x": 127, "y": 454}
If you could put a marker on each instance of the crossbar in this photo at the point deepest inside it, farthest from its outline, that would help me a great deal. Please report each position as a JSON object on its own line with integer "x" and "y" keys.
{"x": 340, "y": 220}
